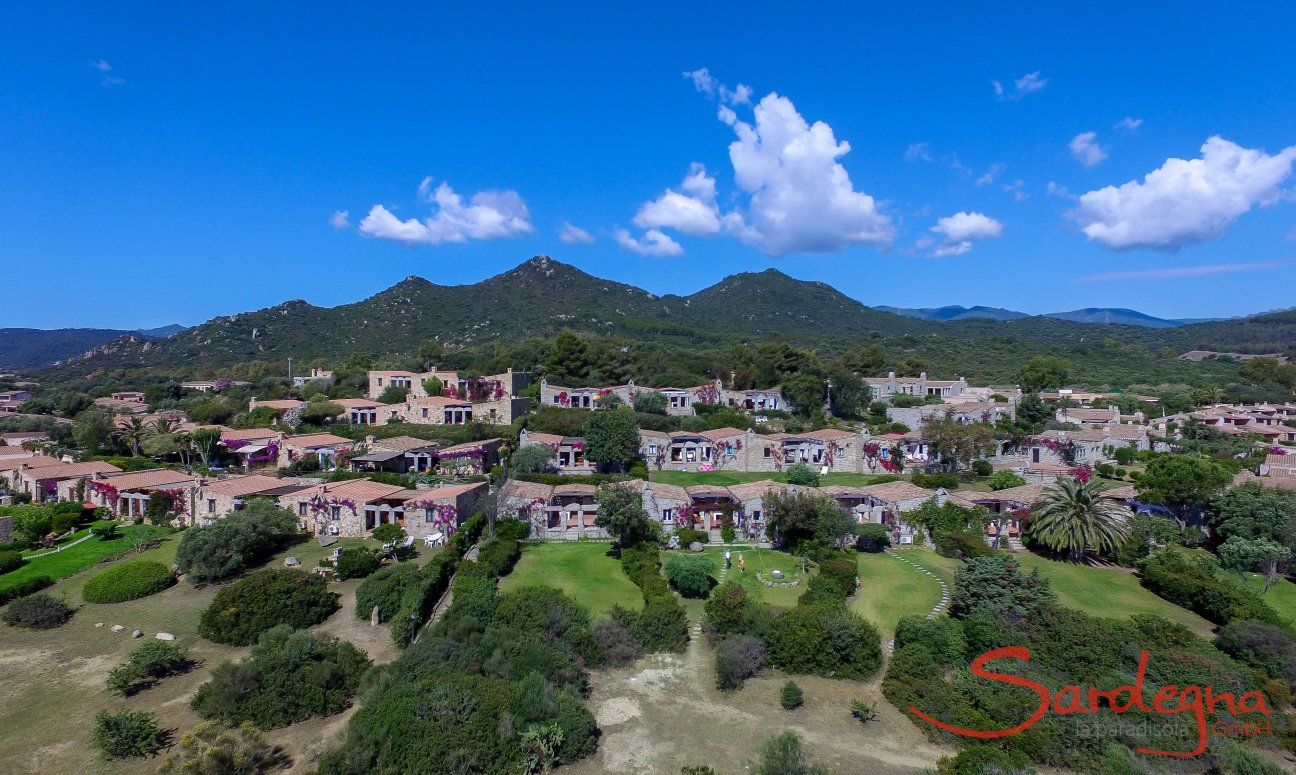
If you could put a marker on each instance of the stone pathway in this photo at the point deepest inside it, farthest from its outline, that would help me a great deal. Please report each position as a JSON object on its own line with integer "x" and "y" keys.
{"x": 945, "y": 593}
{"x": 58, "y": 549}
{"x": 697, "y": 627}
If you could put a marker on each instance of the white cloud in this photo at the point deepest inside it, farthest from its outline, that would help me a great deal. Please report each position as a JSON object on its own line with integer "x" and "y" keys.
{"x": 102, "y": 67}
{"x": 1055, "y": 188}
{"x": 995, "y": 171}
{"x": 572, "y": 234}
{"x": 1086, "y": 150}
{"x": 653, "y": 243}
{"x": 961, "y": 230}
{"x": 692, "y": 212}
{"x": 340, "y": 219}
{"x": 918, "y": 152}
{"x": 1129, "y": 124}
{"x": 1177, "y": 272}
{"x": 488, "y": 215}
{"x": 1184, "y": 201}
{"x": 706, "y": 83}
{"x": 1017, "y": 189}
{"x": 1027, "y": 84}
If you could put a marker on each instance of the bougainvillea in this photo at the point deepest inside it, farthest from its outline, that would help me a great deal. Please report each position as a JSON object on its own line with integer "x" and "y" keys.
{"x": 1082, "y": 473}
{"x": 444, "y": 515}
{"x": 706, "y": 394}
{"x": 176, "y": 501}
{"x": 321, "y": 506}
{"x": 686, "y": 515}
{"x": 563, "y": 398}
{"x": 107, "y": 491}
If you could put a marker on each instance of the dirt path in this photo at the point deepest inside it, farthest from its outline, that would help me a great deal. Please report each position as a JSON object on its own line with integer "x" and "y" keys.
{"x": 665, "y": 713}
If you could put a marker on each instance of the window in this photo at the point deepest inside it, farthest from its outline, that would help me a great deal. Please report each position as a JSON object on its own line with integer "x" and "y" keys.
{"x": 769, "y": 452}
{"x": 428, "y": 514}
{"x": 668, "y": 515}
{"x": 211, "y": 505}
{"x": 380, "y": 382}
{"x": 652, "y": 449}
{"x": 425, "y": 412}
{"x": 335, "y": 512}
{"x": 756, "y": 515}
{"x": 301, "y": 509}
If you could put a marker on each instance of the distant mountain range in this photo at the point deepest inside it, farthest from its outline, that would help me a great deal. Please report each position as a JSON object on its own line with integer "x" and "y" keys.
{"x": 25, "y": 348}
{"x": 543, "y": 297}
{"x": 1101, "y": 315}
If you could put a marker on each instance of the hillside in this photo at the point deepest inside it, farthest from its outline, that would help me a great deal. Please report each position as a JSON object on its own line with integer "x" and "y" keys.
{"x": 955, "y": 312}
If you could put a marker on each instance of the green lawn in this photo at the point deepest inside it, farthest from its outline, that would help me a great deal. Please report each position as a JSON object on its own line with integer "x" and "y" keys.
{"x": 762, "y": 561}
{"x": 1111, "y": 592}
{"x": 1282, "y": 595}
{"x": 726, "y": 478}
{"x": 582, "y": 569}
{"x": 890, "y": 589}
{"x": 84, "y": 555}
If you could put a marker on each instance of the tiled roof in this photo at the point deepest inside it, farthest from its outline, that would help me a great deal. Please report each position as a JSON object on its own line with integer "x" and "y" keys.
{"x": 543, "y": 438}
{"x": 354, "y": 403}
{"x": 752, "y": 490}
{"x": 31, "y": 461}
{"x": 248, "y": 434}
{"x": 722, "y": 433}
{"x": 830, "y": 434}
{"x": 521, "y": 490}
{"x": 71, "y": 470}
{"x": 708, "y": 491}
{"x": 894, "y": 492}
{"x": 360, "y": 490}
{"x": 157, "y": 477}
{"x": 316, "y": 440}
{"x": 239, "y": 486}
{"x": 668, "y": 491}
{"x": 448, "y": 451}
{"x": 1026, "y": 493}
{"x": 402, "y": 443}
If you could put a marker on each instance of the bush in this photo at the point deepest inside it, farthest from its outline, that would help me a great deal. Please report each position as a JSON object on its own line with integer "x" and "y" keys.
{"x": 41, "y": 611}
{"x": 127, "y": 733}
{"x": 962, "y": 544}
{"x": 1125, "y": 455}
{"x": 936, "y": 481}
{"x": 690, "y": 574}
{"x": 980, "y": 759}
{"x": 357, "y": 563}
{"x": 1171, "y": 575}
{"x": 802, "y": 474}
{"x": 791, "y": 697}
{"x": 825, "y": 639}
{"x": 230, "y": 545}
{"x": 290, "y": 675}
{"x": 1003, "y": 480}
{"x": 688, "y": 535}
{"x": 872, "y": 538}
{"x": 242, "y": 611}
{"x": 17, "y": 589}
{"x": 982, "y": 467}
{"x": 213, "y": 748}
{"x": 662, "y": 625}
{"x": 727, "y": 533}
{"x": 729, "y": 610}
{"x": 388, "y": 532}
{"x": 785, "y": 755}
{"x": 615, "y": 640}
{"x": 533, "y": 459}
{"x": 738, "y": 657}
{"x": 128, "y": 581}
{"x": 1265, "y": 647}
{"x": 149, "y": 664}
{"x": 384, "y": 589}
{"x": 10, "y": 561}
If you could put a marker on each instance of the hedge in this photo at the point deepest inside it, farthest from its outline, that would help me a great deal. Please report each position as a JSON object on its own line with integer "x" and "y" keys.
{"x": 10, "y": 561}
{"x": 17, "y": 589}
{"x": 418, "y": 600}
{"x": 128, "y": 581}
{"x": 384, "y": 590}
{"x": 242, "y": 611}
{"x": 1172, "y": 576}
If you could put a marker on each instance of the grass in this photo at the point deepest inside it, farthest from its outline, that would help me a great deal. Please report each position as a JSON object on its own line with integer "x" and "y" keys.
{"x": 726, "y": 478}
{"x": 583, "y": 570}
{"x": 890, "y": 589}
{"x": 762, "y": 561}
{"x": 1108, "y": 592}
{"x": 1282, "y": 595}
{"x": 84, "y": 555}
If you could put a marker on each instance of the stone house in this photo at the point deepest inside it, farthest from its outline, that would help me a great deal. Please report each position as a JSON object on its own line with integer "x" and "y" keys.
{"x": 731, "y": 449}
{"x": 325, "y": 447}
{"x": 218, "y": 498}
{"x": 454, "y": 385}
{"x": 757, "y": 400}
{"x": 397, "y": 455}
{"x": 351, "y": 508}
{"x": 58, "y": 482}
{"x": 883, "y": 388}
{"x": 436, "y": 513}
{"x": 10, "y": 466}
{"x": 568, "y": 451}
{"x": 468, "y": 459}
{"x": 750, "y": 513}
{"x": 127, "y": 495}
{"x": 966, "y": 412}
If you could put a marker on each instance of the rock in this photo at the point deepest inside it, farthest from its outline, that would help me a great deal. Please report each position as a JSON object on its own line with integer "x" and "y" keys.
{"x": 137, "y": 634}
{"x": 695, "y": 547}
{"x": 164, "y": 636}
{"x": 373, "y": 617}
{"x": 117, "y": 628}
{"x": 98, "y": 624}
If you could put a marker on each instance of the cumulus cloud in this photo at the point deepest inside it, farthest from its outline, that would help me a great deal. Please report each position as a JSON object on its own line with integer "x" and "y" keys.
{"x": 963, "y": 229}
{"x": 486, "y": 215}
{"x": 1055, "y": 188}
{"x": 573, "y": 234}
{"x": 1177, "y": 272}
{"x": 991, "y": 174}
{"x": 653, "y": 243}
{"x": 692, "y": 210}
{"x": 1129, "y": 124}
{"x": 1017, "y": 188}
{"x": 340, "y": 219}
{"x": 1027, "y": 84}
{"x": 918, "y": 152}
{"x": 1086, "y": 150}
{"x": 1184, "y": 201}
{"x": 706, "y": 83}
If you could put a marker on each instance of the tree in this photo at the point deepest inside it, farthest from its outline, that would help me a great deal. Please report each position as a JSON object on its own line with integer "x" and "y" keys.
{"x": 393, "y": 395}
{"x": 569, "y": 359}
{"x": 955, "y": 442}
{"x": 127, "y": 733}
{"x": 1043, "y": 372}
{"x": 1255, "y": 511}
{"x": 433, "y": 386}
{"x": 805, "y": 393}
{"x": 321, "y": 412}
{"x": 802, "y": 474}
{"x": 1073, "y": 516}
{"x": 621, "y": 513}
{"x": 533, "y": 459}
{"x": 611, "y": 438}
{"x": 213, "y": 749}
{"x": 130, "y": 433}
{"x": 1244, "y": 555}
{"x": 1182, "y": 483}
{"x": 650, "y": 402}
{"x": 1032, "y": 413}
{"x": 93, "y": 431}
{"x": 204, "y": 441}
{"x": 911, "y": 366}
{"x": 996, "y": 585}
{"x": 805, "y": 521}
{"x": 229, "y": 545}
{"x": 689, "y": 574}
{"x": 785, "y": 755}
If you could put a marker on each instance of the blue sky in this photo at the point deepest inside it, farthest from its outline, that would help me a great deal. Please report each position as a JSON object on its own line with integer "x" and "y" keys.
{"x": 163, "y": 164}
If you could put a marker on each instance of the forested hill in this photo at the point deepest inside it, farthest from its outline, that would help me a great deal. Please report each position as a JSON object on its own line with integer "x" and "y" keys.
{"x": 22, "y": 348}
{"x": 543, "y": 297}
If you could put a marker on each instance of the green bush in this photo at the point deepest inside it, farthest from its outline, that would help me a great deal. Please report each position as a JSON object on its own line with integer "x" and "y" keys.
{"x": 1171, "y": 575}
{"x": 615, "y": 640}
{"x": 730, "y": 610}
{"x": 936, "y": 481}
{"x": 384, "y": 589}
{"x": 17, "y": 589}
{"x": 356, "y": 563}
{"x": 243, "y": 610}
{"x": 980, "y": 759}
{"x": 982, "y": 467}
{"x": 10, "y": 561}
{"x": 289, "y": 676}
{"x": 41, "y": 611}
{"x": 688, "y": 535}
{"x": 802, "y": 474}
{"x": 727, "y": 533}
{"x": 872, "y": 537}
{"x": 127, "y": 733}
{"x": 690, "y": 574}
{"x": 128, "y": 581}
{"x": 1003, "y": 480}
{"x": 1263, "y": 646}
{"x": 962, "y": 544}
{"x": 738, "y": 657}
{"x": 388, "y": 532}
{"x": 228, "y": 546}
{"x": 1125, "y": 455}
{"x": 791, "y": 697}
{"x": 662, "y": 624}
{"x": 149, "y": 664}
{"x": 825, "y": 639}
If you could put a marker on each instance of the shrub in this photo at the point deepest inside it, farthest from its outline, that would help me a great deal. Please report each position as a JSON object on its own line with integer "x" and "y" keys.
{"x": 533, "y": 459}
{"x": 418, "y": 600}
{"x": 229, "y": 545}
{"x": 357, "y": 563}
{"x": 127, "y": 733}
{"x": 785, "y": 755}
{"x": 213, "y": 748}
{"x": 388, "y": 532}
{"x": 242, "y": 611}
{"x": 791, "y": 697}
{"x": 1125, "y": 455}
{"x": 727, "y": 533}
{"x": 149, "y": 664}
{"x": 290, "y": 675}
{"x": 962, "y": 544}
{"x": 983, "y": 759}
{"x": 825, "y": 639}
{"x": 872, "y": 538}
{"x": 662, "y": 625}
{"x": 1171, "y": 575}
{"x": 982, "y": 467}
{"x": 17, "y": 589}
{"x": 384, "y": 589}
{"x": 802, "y": 474}
{"x": 996, "y": 585}
{"x": 688, "y": 535}
{"x": 690, "y": 574}
{"x": 1003, "y": 480}
{"x": 128, "y": 581}
{"x": 41, "y": 611}
{"x": 615, "y": 640}
{"x": 1264, "y": 646}
{"x": 738, "y": 657}
{"x": 936, "y": 481}
{"x": 650, "y": 402}
{"x": 729, "y": 610}
{"x": 10, "y": 561}
{"x": 863, "y": 711}
{"x": 498, "y": 555}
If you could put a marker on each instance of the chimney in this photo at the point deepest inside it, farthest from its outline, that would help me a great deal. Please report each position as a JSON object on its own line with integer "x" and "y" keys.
{"x": 922, "y": 375}
{"x": 890, "y": 375}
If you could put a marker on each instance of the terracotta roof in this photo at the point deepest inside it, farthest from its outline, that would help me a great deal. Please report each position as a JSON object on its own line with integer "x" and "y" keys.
{"x": 467, "y": 446}
{"x": 360, "y": 490}
{"x": 708, "y": 491}
{"x": 1125, "y": 432}
{"x": 402, "y": 443}
{"x": 722, "y": 433}
{"x": 543, "y": 438}
{"x": 830, "y": 434}
{"x": 31, "y": 461}
{"x": 844, "y": 491}
{"x": 157, "y": 477}
{"x": 441, "y": 401}
{"x": 247, "y": 434}
{"x": 668, "y": 491}
{"x": 239, "y": 486}
{"x": 575, "y": 489}
{"x": 752, "y": 490}
{"x": 894, "y": 492}
{"x": 71, "y": 470}
{"x": 1026, "y": 493}
{"x": 284, "y": 404}
{"x": 316, "y": 440}
{"x": 354, "y": 403}
{"x": 522, "y": 490}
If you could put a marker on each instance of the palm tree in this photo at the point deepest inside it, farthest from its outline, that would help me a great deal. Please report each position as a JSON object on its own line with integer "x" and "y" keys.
{"x": 131, "y": 432}
{"x": 163, "y": 426}
{"x": 1073, "y": 516}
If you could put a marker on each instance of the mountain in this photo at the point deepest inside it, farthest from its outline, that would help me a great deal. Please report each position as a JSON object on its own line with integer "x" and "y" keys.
{"x": 543, "y": 297}
{"x": 954, "y": 312}
{"x": 28, "y": 348}
{"x": 161, "y": 332}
